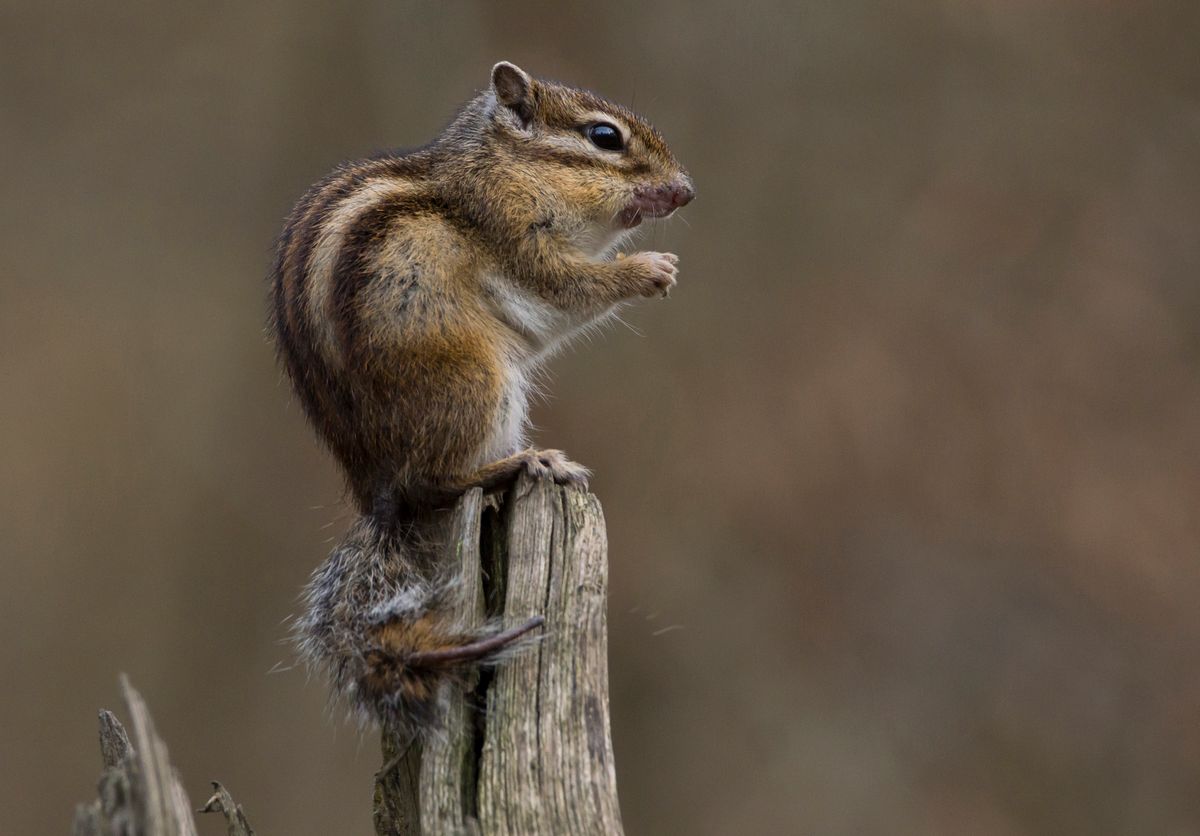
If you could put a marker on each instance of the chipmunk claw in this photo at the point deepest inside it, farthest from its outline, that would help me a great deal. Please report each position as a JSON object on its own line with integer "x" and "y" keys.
{"x": 554, "y": 464}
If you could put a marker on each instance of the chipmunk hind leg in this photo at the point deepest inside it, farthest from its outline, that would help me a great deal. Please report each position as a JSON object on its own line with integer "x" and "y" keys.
{"x": 543, "y": 464}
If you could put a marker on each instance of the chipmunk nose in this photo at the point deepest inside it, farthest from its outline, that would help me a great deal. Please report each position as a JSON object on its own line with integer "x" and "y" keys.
{"x": 658, "y": 200}
{"x": 680, "y": 193}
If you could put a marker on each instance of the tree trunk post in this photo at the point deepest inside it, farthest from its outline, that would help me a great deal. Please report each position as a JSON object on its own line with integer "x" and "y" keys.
{"x": 529, "y": 749}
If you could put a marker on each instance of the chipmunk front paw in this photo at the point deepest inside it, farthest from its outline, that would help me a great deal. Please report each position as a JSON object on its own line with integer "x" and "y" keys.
{"x": 657, "y": 272}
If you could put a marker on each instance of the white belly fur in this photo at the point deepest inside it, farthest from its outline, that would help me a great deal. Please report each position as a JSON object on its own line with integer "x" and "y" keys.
{"x": 539, "y": 330}
{"x": 508, "y": 435}
{"x": 541, "y": 326}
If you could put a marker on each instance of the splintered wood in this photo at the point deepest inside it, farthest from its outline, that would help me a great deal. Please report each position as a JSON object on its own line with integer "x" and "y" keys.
{"x": 139, "y": 792}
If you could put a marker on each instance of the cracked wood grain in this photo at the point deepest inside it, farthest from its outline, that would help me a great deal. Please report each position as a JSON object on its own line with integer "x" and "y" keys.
{"x": 529, "y": 750}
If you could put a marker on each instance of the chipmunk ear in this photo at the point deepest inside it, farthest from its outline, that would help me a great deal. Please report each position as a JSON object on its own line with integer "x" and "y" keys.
{"x": 514, "y": 89}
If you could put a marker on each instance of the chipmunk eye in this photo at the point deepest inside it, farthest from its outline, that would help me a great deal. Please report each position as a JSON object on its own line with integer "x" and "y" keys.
{"x": 606, "y": 136}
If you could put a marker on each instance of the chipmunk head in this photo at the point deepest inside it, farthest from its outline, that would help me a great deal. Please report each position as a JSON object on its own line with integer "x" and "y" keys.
{"x": 612, "y": 167}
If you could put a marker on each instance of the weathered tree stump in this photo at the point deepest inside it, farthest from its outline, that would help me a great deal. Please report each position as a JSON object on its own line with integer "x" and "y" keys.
{"x": 139, "y": 793}
{"x": 528, "y": 750}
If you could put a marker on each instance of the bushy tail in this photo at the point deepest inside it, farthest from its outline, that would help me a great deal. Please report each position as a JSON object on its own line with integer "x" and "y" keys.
{"x": 379, "y": 623}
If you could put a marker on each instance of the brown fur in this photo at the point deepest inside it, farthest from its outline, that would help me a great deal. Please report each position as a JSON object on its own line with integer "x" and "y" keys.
{"x": 414, "y": 295}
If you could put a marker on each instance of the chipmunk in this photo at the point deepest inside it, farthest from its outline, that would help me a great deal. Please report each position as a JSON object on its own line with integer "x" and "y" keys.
{"x": 414, "y": 296}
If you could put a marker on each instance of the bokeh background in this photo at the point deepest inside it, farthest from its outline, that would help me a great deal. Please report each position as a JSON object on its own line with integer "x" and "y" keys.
{"x": 902, "y": 483}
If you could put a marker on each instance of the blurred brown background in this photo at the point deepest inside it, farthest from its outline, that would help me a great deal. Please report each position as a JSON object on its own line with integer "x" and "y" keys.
{"x": 902, "y": 483}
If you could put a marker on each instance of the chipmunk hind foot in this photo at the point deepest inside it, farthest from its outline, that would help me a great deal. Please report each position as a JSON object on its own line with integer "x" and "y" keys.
{"x": 408, "y": 660}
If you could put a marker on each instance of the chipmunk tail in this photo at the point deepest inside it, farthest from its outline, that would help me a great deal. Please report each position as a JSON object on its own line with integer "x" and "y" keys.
{"x": 379, "y": 624}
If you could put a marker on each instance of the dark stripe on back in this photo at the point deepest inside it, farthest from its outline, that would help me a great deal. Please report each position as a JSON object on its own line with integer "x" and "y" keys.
{"x": 355, "y": 266}
{"x": 327, "y": 401}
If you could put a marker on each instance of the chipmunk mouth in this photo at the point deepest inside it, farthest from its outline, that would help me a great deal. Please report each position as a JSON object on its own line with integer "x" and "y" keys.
{"x": 655, "y": 202}
{"x": 632, "y": 216}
